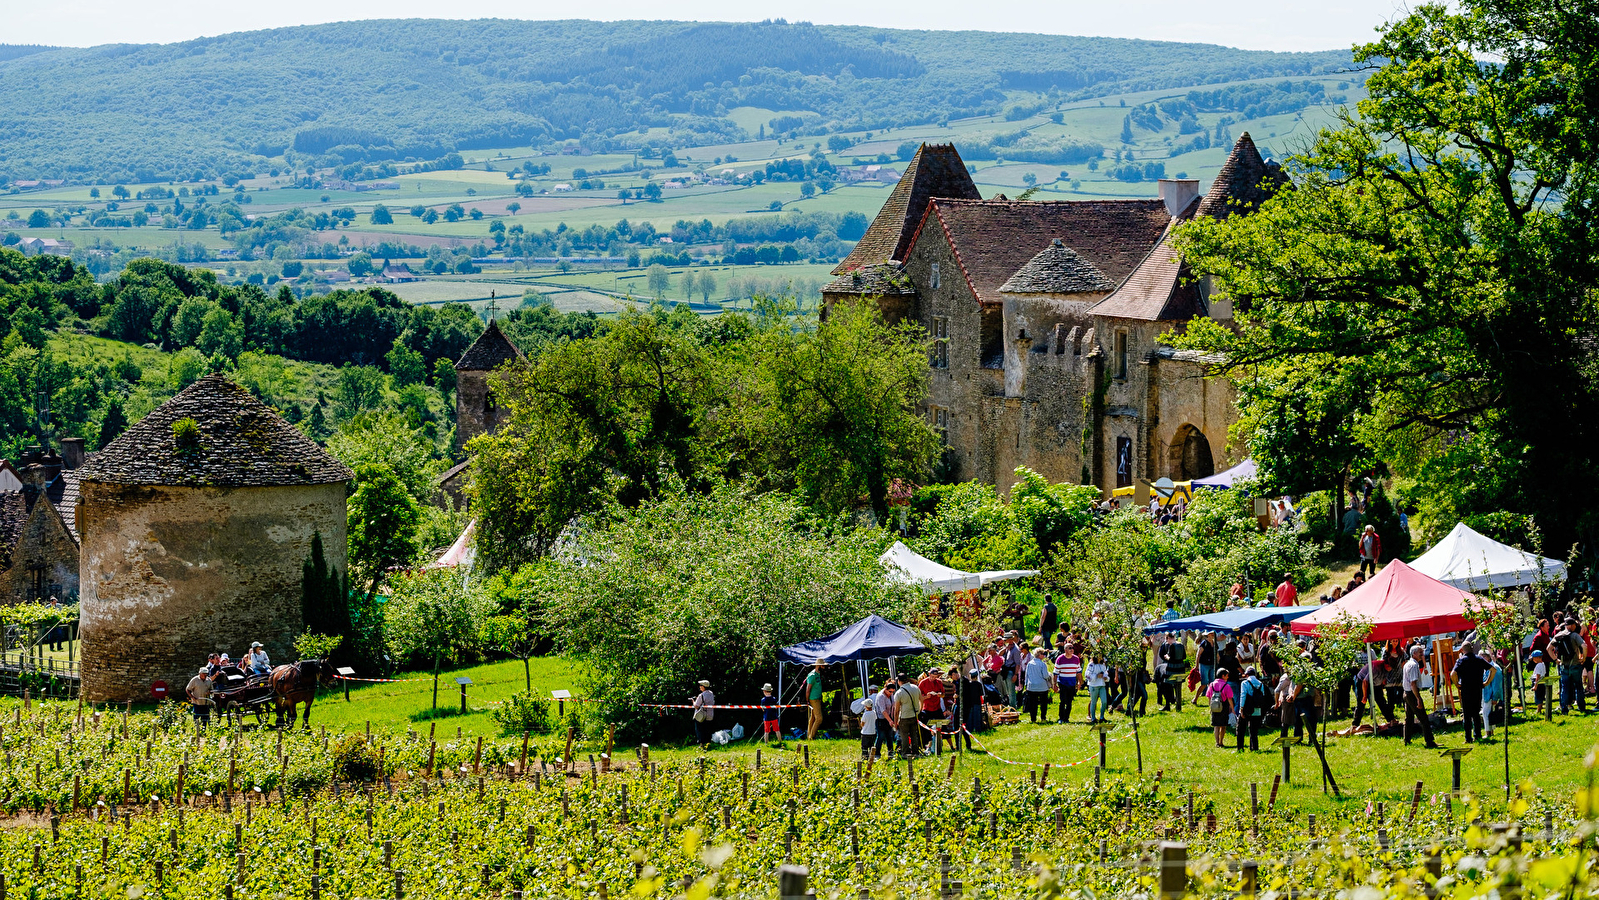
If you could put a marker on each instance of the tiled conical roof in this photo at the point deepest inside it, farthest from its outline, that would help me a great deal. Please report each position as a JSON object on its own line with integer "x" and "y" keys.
{"x": 1057, "y": 269}
{"x": 491, "y": 350}
{"x": 239, "y": 442}
{"x": 1244, "y": 182}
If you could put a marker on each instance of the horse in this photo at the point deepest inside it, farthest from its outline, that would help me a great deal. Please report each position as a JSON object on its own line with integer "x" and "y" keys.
{"x": 296, "y": 683}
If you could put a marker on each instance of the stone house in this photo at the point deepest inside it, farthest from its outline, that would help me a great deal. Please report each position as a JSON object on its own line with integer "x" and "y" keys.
{"x": 1046, "y": 318}
{"x": 196, "y": 526}
{"x": 38, "y": 539}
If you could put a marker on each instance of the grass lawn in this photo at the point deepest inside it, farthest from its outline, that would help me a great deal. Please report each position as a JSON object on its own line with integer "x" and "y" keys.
{"x": 401, "y": 705}
{"x": 1547, "y": 755}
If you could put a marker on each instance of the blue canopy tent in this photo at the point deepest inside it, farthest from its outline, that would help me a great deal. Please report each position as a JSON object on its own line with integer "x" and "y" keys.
{"x": 873, "y": 637}
{"x": 1234, "y": 621}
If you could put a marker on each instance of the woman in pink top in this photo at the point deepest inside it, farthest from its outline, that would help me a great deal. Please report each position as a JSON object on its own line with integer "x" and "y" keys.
{"x": 1220, "y": 693}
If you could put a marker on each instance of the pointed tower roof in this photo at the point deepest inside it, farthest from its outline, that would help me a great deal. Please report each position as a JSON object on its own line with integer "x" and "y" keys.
{"x": 491, "y": 350}
{"x": 1245, "y": 181}
{"x": 935, "y": 171}
{"x": 1057, "y": 269}
{"x": 238, "y": 442}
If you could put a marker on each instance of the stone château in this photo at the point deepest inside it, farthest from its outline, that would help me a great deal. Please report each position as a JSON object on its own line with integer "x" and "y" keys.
{"x": 1046, "y": 321}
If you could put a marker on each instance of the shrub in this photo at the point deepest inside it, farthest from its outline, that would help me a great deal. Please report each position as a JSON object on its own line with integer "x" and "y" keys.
{"x": 524, "y": 714}
{"x": 355, "y": 760}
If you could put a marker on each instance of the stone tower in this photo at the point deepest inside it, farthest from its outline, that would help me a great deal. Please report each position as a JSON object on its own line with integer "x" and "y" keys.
{"x": 475, "y": 410}
{"x": 196, "y": 525}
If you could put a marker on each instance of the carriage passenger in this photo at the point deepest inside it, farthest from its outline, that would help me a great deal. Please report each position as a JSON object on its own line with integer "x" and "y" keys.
{"x": 256, "y": 661}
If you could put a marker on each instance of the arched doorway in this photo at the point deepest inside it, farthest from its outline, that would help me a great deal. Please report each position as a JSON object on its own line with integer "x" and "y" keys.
{"x": 1189, "y": 455}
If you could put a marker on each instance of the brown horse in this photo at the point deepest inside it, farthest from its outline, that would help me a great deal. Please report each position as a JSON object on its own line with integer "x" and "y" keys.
{"x": 296, "y": 683}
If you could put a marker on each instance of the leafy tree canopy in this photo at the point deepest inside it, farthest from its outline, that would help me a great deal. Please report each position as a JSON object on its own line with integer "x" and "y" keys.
{"x": 1425, "y": 292}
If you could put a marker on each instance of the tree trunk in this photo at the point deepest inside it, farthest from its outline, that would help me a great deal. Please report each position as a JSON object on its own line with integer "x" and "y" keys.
{"x": 1507, "y": 747}
{"x": 435, "y": 681}
{"x": 527, "y": 673}
{"x": 1338, "y": 511}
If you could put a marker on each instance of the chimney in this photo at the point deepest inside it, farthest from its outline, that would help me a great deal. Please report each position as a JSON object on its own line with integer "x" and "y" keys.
{"x": 71, "y": 453}
{"x": 1178, "y": 194}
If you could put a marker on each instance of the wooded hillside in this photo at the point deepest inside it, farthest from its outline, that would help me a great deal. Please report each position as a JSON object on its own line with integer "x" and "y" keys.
{"x": 418, "y": 89}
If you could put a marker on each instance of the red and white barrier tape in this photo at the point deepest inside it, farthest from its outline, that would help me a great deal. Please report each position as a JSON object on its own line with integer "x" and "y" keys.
{"x": 380, "y": 680}
{"x": 721, "y": 706}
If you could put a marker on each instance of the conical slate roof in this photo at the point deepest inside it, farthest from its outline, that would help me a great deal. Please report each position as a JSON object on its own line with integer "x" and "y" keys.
{"x": 240, "y": 442}
{"x": 491, "y": 350}
{"x": 1058, "y": 270}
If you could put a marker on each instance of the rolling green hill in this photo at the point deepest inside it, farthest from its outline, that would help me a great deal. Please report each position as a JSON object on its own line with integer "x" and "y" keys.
{"x": 419, "y": 89}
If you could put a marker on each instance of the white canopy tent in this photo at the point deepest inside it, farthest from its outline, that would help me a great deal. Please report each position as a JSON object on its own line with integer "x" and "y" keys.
{"x": 1474, "y": 562}
{"x": 906, "y": 566}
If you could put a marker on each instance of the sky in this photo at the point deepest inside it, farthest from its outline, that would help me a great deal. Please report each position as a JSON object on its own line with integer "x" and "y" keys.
{"x": 1294, "y": 25}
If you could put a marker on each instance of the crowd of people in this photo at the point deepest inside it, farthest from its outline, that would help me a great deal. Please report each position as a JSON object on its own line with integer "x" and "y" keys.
{"x": 1242, "y": 680}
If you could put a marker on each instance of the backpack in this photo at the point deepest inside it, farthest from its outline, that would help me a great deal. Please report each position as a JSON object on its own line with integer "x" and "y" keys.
{"x": 1217, "y": 704}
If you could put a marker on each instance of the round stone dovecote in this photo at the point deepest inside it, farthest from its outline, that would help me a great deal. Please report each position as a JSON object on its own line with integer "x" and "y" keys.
{"x": 196, "y": 525}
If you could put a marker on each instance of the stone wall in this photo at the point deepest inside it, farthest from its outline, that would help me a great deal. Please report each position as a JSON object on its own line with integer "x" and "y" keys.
{"x": 474, "y": 410}
{"x": 46, "y": 547}
{"x": 1164, "y": 395}
{"x": 171, "y": 574}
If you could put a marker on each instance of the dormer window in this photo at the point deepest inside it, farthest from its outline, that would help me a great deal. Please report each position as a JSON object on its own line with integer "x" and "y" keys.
{"x": 935, "y": 276}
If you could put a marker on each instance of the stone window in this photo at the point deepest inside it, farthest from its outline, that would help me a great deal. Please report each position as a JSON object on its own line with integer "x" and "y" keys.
{"x": 939, "y": 355}
{"x": 1121, "y": 355}
{"x": 939, "y": 417}
{"x": 935, "y": 276}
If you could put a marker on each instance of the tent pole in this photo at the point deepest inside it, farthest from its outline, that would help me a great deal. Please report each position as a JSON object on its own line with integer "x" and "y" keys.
{"x": 779, "y": 702}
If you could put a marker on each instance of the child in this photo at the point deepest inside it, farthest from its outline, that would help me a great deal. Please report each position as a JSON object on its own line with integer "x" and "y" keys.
{"x": 868, "y": 725}
{"x": 769, "y": 715}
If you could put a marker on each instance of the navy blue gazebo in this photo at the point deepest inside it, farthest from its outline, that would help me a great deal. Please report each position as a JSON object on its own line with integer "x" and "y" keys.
{"x": 873, "y": 637}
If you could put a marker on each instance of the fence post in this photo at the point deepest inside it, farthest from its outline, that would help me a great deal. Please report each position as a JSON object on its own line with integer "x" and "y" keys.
{"x": 791, "y": 882}
{"x": 1173, "y": 870}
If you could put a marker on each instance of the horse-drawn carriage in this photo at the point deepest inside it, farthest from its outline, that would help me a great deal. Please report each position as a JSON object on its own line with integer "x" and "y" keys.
{"x": 236, "y": 694}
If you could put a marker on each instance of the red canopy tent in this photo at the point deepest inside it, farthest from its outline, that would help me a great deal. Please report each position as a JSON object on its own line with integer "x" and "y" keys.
{"x": 1400, "y": 602}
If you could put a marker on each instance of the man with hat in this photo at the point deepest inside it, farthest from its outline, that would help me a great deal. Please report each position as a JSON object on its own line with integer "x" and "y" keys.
{"x": 199, "y": 694}
{"x": 769, "y": 714}
{"x": 704, "y": 711}
{"x": 813, "y": 699}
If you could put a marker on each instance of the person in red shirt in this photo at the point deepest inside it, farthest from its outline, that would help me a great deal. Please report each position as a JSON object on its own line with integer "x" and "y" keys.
{"x": 932, "y": 688}
{"x": 1287, "y": 594}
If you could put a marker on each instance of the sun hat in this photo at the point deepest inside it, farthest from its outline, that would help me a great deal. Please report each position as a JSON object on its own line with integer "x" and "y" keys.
{"x": 704, "y": 683}
{"x": 255, "y": 645}
{"x": 765, "y": 687}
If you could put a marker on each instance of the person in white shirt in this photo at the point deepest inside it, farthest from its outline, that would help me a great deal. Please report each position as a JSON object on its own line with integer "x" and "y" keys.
{"x": 1097, "y": 676}
{"x": 1415, "y": 709}
{"x": 256, "y": 661}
